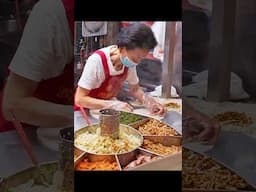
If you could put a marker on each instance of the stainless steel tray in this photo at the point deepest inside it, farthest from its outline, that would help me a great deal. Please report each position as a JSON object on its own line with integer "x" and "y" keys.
{"x": 77, "y": 155}
{"x": 124, "y": 128}
{"x": 236, "y": 151}
{"x": 125, "y": 159}
{"x": 170, "y": 162}
{"x": 133, "y": 114}
{"x": 94, "y": 157}
{"x": 143, "y": 121}
{"x": 136, "y": 124}
{"x": 165, "y": 140}
{"x": 251, "y": 187}
{"x": 175, "y": 140}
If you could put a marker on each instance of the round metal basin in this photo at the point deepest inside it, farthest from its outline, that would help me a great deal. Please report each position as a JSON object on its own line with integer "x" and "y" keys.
{"x": 123, "y": 128}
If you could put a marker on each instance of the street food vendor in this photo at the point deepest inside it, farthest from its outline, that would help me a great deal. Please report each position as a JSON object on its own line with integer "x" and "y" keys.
{"x": 108, "y": 68}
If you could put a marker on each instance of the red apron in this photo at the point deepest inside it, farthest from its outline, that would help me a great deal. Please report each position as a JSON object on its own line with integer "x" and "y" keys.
{"x": 111, "y": 86}
{"x": 59, "y": 89}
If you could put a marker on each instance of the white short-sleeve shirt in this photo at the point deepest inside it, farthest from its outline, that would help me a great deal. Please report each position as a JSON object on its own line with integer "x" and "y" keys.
{"x": 44, "y": 50}
{"x": 93, "y": 73}
{"x": 46, "y": 45}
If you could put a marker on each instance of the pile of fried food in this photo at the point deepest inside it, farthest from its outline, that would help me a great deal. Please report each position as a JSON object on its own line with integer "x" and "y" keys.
{"x": 106, "y": 165}
{"x": 160, "y": 148}
{"x": 201, "y": 172}
{"x": 234, "y": 118}
{"x": 155, "y": 127}
{"x": 172, "y": 105}
{"x": 141, "y": 159}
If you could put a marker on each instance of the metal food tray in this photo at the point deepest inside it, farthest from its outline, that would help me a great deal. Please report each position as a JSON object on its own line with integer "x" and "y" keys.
{"x": 94, "y": 157}
{"x": 164, "y": 140}
{"x": 250, "y": 187}
{"x": 170, "y": 162}
{"x": 78, "y": 153}
{"x": 144, "y": 118}
{"x": 93, "y": 127}
{"x": 136, "y": 124}
{"x": 175, "y": 140}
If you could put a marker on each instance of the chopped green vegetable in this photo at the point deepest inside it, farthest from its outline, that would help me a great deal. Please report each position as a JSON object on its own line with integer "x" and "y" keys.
{"x": 128, "y": 118}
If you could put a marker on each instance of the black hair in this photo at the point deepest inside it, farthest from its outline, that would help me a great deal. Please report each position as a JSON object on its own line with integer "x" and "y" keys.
{"x": 137, "y": 35}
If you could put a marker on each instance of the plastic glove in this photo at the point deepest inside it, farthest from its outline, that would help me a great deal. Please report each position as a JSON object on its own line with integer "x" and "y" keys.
{"x": 120, "y": 106}
{"x": 153, "y": 106}
{"x": 200, "y": 127}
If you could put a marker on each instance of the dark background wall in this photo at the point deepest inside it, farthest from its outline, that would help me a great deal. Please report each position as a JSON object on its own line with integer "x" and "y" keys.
{"x": 195, "y": 45}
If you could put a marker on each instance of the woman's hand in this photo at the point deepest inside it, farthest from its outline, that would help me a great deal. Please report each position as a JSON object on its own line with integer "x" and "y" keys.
{"x": 120, "y": 106}
{"x": 198, "y": 126}
{"x": 157, "y": 109}
{"x": 153, "y": 106}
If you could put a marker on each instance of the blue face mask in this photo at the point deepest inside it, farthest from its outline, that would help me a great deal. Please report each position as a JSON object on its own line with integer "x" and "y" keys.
{"x": 127, "y": 62}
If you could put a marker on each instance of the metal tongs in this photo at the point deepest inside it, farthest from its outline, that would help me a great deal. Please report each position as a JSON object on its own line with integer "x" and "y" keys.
{"x": 28, "y": 147}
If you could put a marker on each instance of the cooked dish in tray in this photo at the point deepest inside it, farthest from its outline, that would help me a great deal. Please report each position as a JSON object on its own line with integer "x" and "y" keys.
{"x": 160, "y": 148}
{"x": 234, "y": 118}
{"x": 155, "y": 127}
{"x": 91, "y": 141}
{"x": 202, "y": 172}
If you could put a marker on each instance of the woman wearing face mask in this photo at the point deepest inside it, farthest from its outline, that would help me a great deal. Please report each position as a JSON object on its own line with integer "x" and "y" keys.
{"x": 108, "y": 68}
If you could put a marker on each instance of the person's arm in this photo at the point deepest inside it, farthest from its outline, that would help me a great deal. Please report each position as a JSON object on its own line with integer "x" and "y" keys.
{"x": 136, "y": 92}
{"x": 153, "y": 106}
{"x": 18, "y": 97}
{"x": 41, "y": 55}
{"x": 83, "y": 100}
